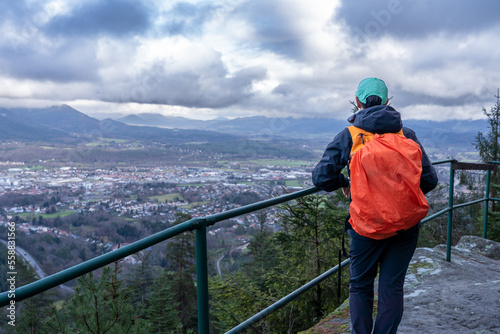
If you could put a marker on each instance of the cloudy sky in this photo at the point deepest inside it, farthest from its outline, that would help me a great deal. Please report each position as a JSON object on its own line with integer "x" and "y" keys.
{"x": 234, "y": 58}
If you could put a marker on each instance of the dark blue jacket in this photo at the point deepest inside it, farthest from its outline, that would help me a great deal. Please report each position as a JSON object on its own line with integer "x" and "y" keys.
{"x": 378, "y": 119}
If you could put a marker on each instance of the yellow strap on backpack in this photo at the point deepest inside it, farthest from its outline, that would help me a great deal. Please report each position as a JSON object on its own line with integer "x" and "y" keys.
{"x": 360, "y": 137}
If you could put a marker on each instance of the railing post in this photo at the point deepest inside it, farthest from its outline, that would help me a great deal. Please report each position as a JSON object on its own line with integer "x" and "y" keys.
{"x": 202, "y": 279}
{"x": 450, "y": 213}
{"x": 486, "y": 203}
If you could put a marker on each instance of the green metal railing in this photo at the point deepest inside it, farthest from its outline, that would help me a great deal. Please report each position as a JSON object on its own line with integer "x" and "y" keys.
{"x": 455, "y": 165}
{"x": 201, "y": 224}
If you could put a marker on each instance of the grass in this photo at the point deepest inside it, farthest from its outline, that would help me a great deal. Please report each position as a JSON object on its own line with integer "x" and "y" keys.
{"x": 293, "y": 183}
{"x": 59, "y": 304}
{"x": 105, "y": 141}
{"x": 193, "y": 205}
{"x": 289, "y": 183}
{"x": 280, "y": 162}
{"x": 36, "y": 167}
{"x": 167, "y": 197}
{"x": 61, "y": 214}
{"x": 336, "y": 322}
{"x": 191, "y": 184}
{"x": 224, "y": 163}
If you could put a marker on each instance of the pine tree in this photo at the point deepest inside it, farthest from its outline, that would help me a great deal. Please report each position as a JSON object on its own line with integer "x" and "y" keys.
{"x": 162, "y": 311}
{"x": 141, "y": 277}
{"x": 235, "y": 298}
{"x": 264, "y": 252}
{"x": 99, "y": 306}
{"x": 34, "y": 311}
{"x": 181, "y": 271}
{"x": 311, "y": 237}
{"x": 307, "y": 246}
{"x": 489, "y": 150}
{"x": 488, "y": 145}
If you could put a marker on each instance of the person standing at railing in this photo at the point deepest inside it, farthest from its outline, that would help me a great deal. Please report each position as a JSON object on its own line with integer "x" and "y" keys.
{"x": 389, "y": 175}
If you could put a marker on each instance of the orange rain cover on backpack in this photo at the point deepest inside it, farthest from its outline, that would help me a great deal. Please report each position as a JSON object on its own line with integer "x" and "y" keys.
{"x": 385, "y": 175}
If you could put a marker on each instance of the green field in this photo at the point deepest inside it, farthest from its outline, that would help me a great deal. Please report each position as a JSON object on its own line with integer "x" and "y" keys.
{"x": 105, "y": 141}
{"x": 192, "y": 184}
{"x": 279, "y": 162}
{"x": 264, "y": 162}
{"x": 36, "y": 167}
{"x": 194, "y": 204}
{"x": 167, "y": 197}
{"x": 58, "y": 305}
{"x": 27, "y": 215}
{"x": 294, "y": 183}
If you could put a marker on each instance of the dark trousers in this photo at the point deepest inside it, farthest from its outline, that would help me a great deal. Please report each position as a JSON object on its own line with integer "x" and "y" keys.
{"x": 393, "y": 256}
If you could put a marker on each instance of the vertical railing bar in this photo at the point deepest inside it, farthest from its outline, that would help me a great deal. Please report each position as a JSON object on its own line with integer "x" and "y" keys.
{"x": 486, "y": 203}
{"x": 202, "y": 279}
{"x": 339, "y": 278}
{"x": 450, "y": 213}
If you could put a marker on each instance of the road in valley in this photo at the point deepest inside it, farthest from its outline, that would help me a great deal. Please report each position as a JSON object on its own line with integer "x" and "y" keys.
{"x": 220, "y": 259}
{"x": 38, "y": 271}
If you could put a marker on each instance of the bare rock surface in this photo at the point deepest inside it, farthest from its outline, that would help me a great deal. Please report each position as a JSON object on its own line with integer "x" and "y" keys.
{"x": 461, "y": 296}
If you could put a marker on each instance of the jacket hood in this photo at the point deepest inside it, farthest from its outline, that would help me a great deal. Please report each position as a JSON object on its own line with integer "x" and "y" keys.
{"x": 377, "y": 119}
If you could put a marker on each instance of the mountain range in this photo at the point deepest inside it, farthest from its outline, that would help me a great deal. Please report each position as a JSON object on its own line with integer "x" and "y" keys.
{"x": 31, "y": 134}
{"x": 441, "y": 135}
{"x": 64, "y": 125}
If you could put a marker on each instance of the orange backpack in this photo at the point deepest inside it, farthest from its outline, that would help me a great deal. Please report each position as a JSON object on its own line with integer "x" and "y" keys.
{"x": 385, "y": 175}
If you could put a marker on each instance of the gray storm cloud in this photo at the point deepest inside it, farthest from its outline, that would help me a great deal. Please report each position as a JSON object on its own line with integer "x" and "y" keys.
{"x": 369, "y": 19}
{"x": 254, "y": 56}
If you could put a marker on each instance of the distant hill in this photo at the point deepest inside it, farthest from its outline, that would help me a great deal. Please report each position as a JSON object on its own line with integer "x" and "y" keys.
{"x": 60, "y": 118}
{"x": 441, "y": 135}
{"x": 113, "y": 141}
{"x": 248, "y": 126}
{"x": 447, "y": 134}
{"x": 64, "y": 122}
{"x": 12, "y": 129}
{"x": 151, "y": 119}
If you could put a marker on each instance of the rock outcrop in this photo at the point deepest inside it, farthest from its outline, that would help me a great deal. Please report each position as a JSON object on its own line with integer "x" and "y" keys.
{"x": 461, "y": 296}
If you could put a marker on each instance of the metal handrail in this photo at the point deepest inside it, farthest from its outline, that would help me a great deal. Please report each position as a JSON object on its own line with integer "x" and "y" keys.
{"x": 200, "y": 225}
{"x": 246, "y": 324}
{"x": 288, "y": 298}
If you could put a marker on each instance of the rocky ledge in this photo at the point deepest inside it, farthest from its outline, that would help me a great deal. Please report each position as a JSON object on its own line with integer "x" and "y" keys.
{"x": 461, "y": 296}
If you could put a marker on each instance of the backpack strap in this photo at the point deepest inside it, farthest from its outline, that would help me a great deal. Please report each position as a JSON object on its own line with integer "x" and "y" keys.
{"x": 360, "y": 137}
